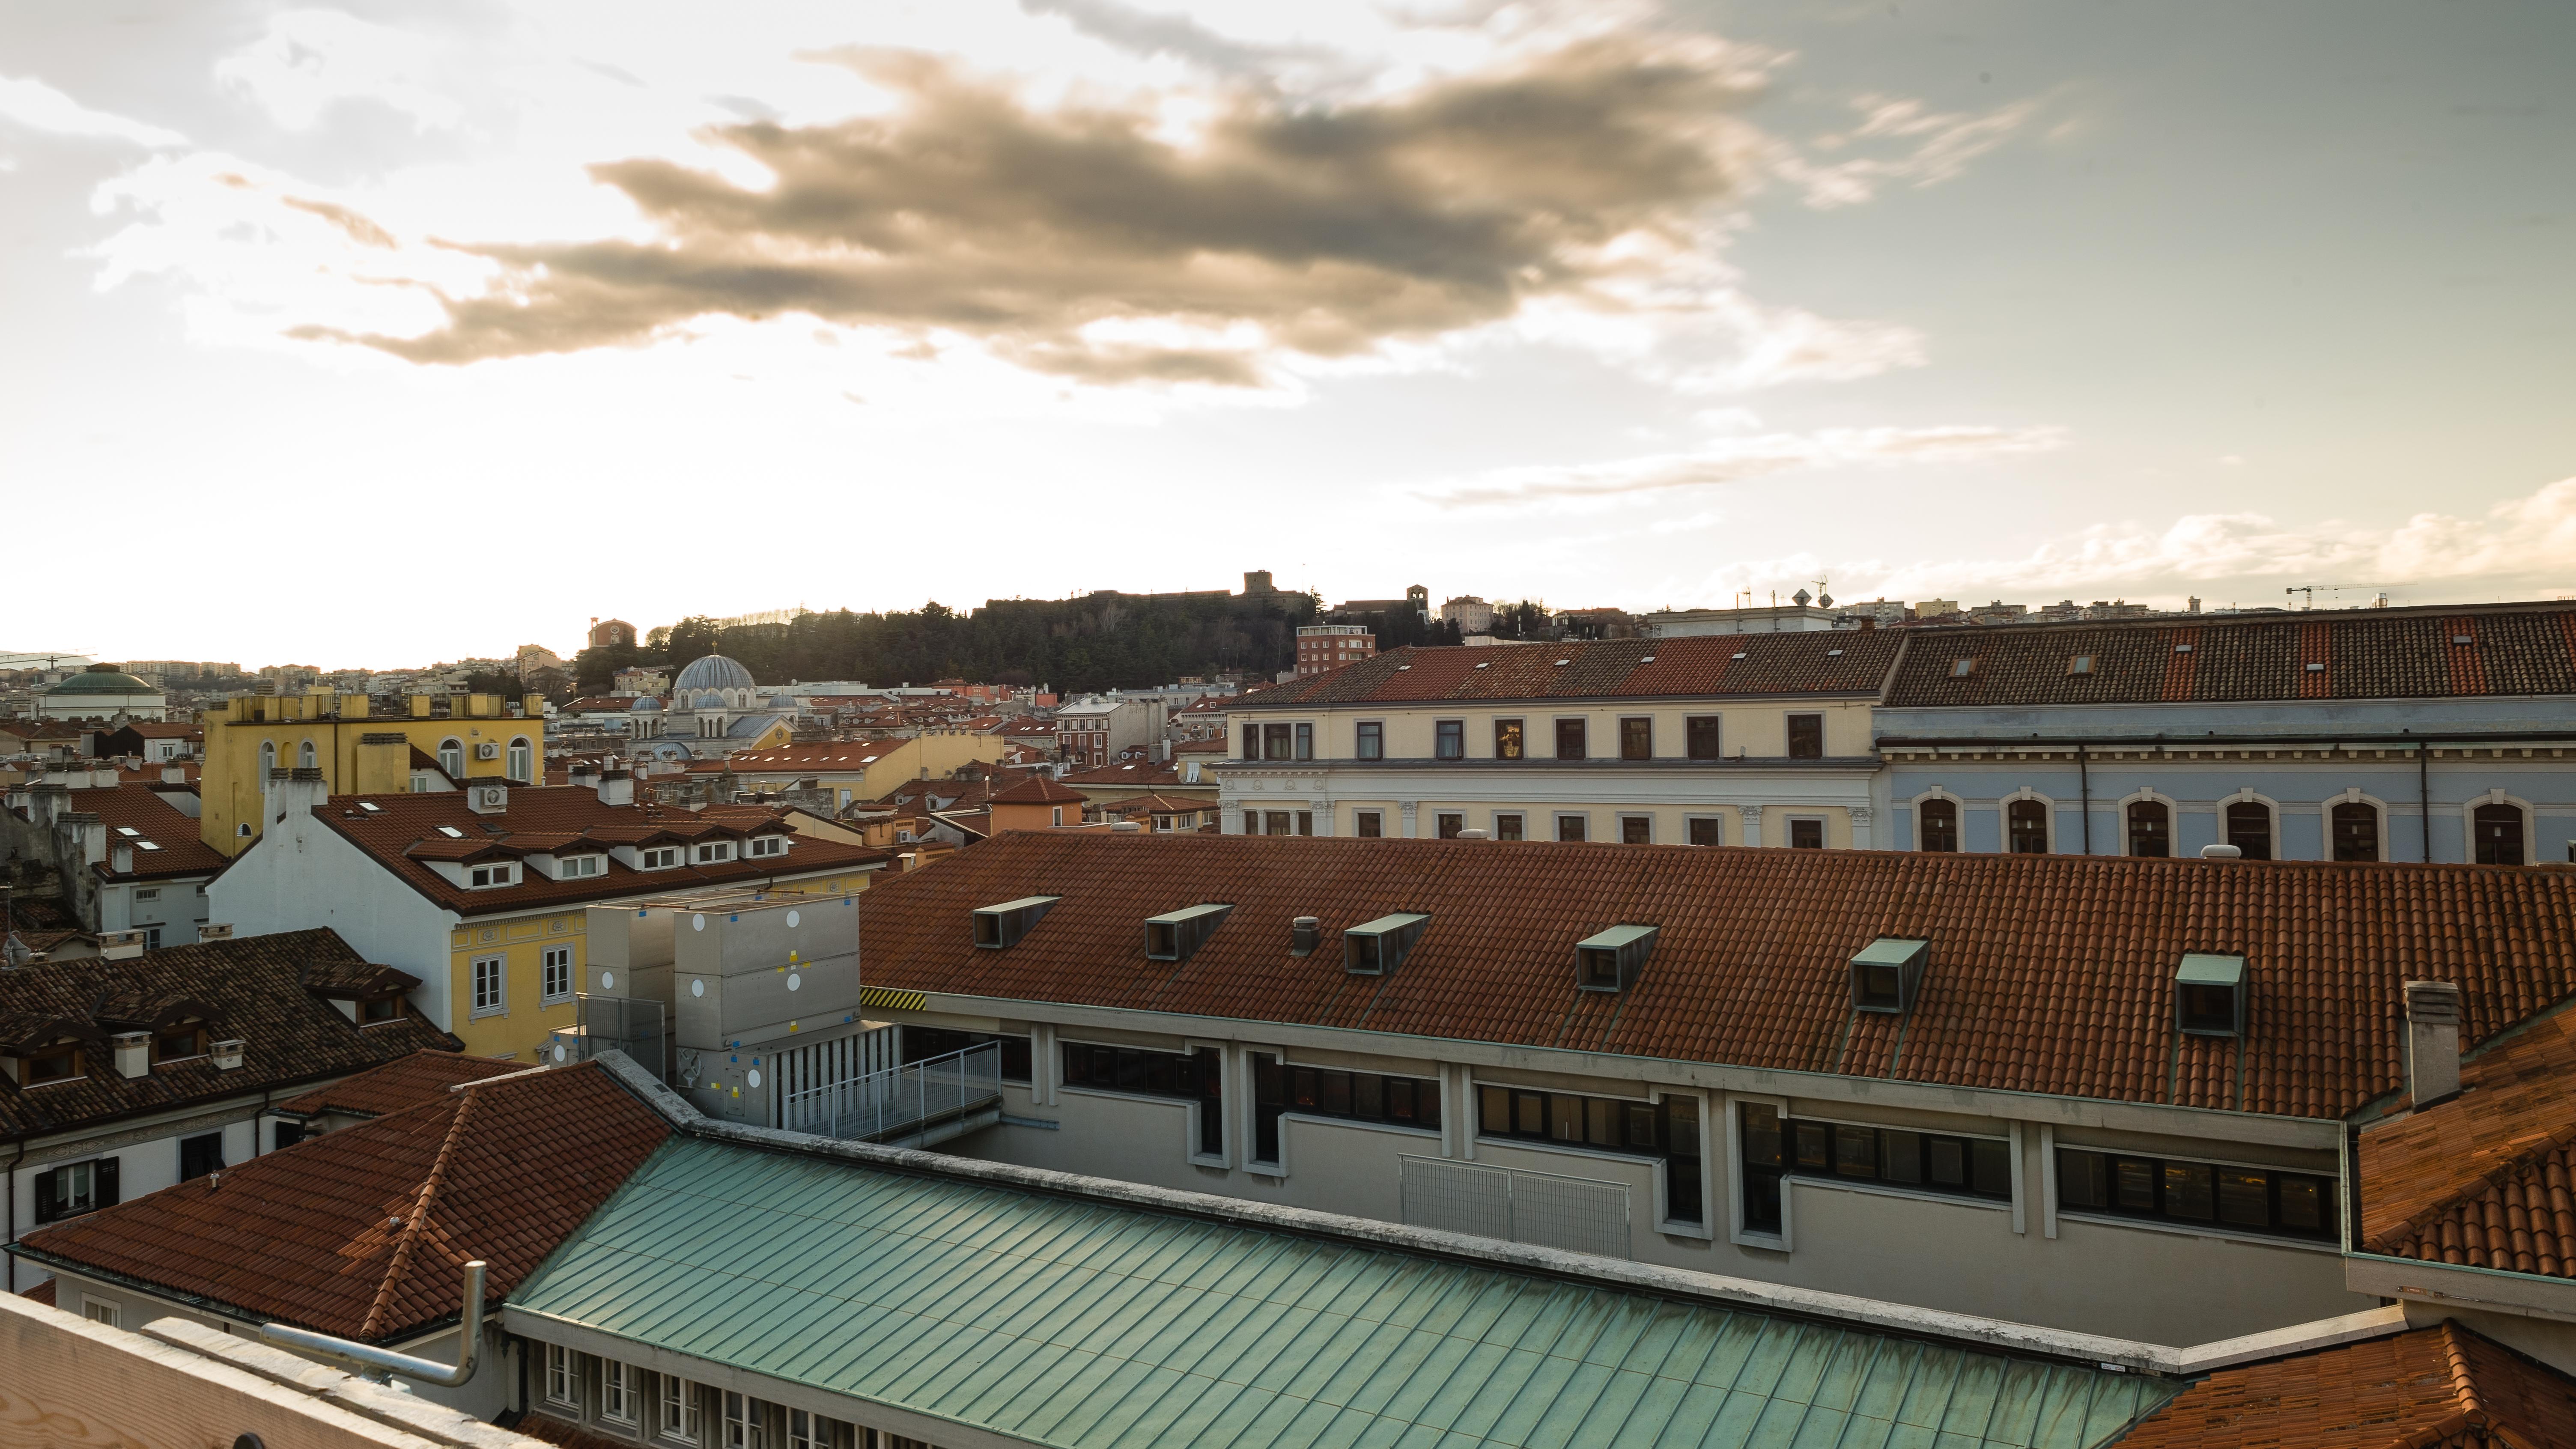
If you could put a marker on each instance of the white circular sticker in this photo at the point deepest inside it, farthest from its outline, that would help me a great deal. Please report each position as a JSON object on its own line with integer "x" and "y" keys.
{"x": 793, "y": 920}
{"x": 608, "y": 981}
{"x": 698, "y": 988}
{"x": 754, "y": 1078}
{"x": 794, "y": 981}
{"x": 697, "y": 923}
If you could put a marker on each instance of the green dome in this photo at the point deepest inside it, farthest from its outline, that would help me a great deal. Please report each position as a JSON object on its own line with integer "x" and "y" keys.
{"x": 102, "y": 681}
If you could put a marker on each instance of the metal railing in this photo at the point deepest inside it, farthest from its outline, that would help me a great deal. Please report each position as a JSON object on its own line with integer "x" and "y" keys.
{"x": 898, "y": 1103}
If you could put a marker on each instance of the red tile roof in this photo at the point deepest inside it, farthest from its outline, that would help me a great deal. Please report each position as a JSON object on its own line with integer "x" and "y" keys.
{"x": 2525, "y": 650}
{"x": 1036, "y": 790}
{"x": 264, "y": 990}
{"x": 176, "y": 848}
{"x": 404, "y": 1082}
{"x": 2484, "y": 1180}
{"x": 402, "y": 824}
{"x": 2048, "y": 973}
{"x": 1712, "y": 666}
{"x": 2444, "y": 1386}
{"x": 827, "y": 758}
{"x": 365, "y": 1232}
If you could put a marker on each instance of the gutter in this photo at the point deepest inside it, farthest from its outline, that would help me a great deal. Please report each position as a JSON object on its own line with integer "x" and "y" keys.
{"x": 2337, "y": 738}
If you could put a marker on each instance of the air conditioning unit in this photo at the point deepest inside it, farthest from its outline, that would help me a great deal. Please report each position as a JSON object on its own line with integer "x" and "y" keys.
{"x": 487, "y": 751}
{"x": 490, "y": 799}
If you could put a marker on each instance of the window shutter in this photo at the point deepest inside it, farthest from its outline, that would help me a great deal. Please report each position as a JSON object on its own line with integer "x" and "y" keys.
{"x": 107, "y": 1195}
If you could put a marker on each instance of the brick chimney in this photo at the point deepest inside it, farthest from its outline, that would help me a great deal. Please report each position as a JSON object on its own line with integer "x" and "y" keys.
{"x": 2432, "y": 1041}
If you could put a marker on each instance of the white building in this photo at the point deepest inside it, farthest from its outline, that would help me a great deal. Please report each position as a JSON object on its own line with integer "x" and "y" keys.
{"x": 103, "y": 693}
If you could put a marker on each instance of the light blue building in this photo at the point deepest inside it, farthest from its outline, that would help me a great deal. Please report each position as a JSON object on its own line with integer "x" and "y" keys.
{"x": 2444, "y": 735}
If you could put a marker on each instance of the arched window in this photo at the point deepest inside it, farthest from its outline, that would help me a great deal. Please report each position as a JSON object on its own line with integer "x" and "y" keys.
{"x": 267, "y": 760}
{"x": 1937, "y": 824}
{"x": 2150, "y": 828}
{"x": 522, "y": 761}
{"x": 304, "y": 758}
{"x": 2356, "y": 831}
{"x": 2249, "y": 829}
{"x": 2497, "y": 831}
{"x": 2026, "y": 822}
{"x": 451, "y": 757}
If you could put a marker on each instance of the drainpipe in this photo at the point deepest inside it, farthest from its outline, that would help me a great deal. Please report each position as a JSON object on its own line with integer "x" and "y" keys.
{"x": 2424, "y": 801}
{"x": 2084, "y": 789}
{"x": 11, "y": 1245}
{"x": 378, "y": 1364}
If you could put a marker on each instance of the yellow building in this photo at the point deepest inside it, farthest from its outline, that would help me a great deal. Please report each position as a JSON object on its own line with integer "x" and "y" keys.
{"x": 860, "y": 771}
{"x": 441, "y": 742}
{"x": 482, "y": 892}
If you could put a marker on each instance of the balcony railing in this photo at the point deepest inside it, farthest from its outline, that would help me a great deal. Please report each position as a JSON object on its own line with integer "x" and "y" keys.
{"x": 907, "y": 1101}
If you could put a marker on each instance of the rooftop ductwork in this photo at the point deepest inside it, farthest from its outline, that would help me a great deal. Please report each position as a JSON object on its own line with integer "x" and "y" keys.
{"x": 1304, "y": 934}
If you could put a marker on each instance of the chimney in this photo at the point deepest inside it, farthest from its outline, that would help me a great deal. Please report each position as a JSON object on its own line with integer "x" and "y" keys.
{"x": 214, "y": 930}
{"x": 174, "y": 774}
{"x": 616, "y": 787}
{"x": 133, "y": 1053}
{"x": 2432, "y": 1041}
{"x": 121, "y": 859}
{"x": 1303, "y": 935}
{"x": 87, "y": 832}
{"x": 119, "y": 945}
{"x": 228, "y": 1054}
{"x": 298, "y": 791}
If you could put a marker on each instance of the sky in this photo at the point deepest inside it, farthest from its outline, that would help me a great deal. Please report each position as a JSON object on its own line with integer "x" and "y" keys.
{"x": 389, "y": 332}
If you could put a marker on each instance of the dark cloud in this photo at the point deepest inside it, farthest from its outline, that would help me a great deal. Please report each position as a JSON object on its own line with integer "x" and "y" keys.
{"x": 1316, "y": 229}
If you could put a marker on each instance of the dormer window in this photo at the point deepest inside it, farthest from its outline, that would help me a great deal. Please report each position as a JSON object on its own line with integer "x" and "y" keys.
{"x": 1001, "y": 927}
{"x": 60, "y": 1062}
{"x": 765, "y": 845}
{"x": 178, "y": 1042}
{"x": 1887, "y": 973}
{"x": 660, "y": 857}
{"x": 574, "y": 867}
{"x": 1611, "y": 960}
{"x": 2209, "y": 996}
{"x": 1376, "y": 948}
{"x": 377, "y": 1009}
{"x": 714, "y": 851}
{"x": 1176, "y": 935}
{"x": 484, "y": 877}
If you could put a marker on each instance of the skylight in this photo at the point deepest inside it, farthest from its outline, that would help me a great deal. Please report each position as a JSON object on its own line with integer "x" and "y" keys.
{"x": 127, "y": 830}
{"x": 1484, "y": 664}
{"x": 451, "y": 832}
{"x": 371, "y": 807}
{"x": 145, "y": 845}
{"x": 1738, "y": 654}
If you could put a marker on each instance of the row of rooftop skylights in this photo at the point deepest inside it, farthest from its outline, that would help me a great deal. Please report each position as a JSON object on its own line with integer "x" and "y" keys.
{"x": 1886, "y": 975}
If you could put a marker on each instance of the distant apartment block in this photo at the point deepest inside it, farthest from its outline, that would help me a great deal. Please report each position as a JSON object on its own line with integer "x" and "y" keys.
{"x": 1323, "y": 648}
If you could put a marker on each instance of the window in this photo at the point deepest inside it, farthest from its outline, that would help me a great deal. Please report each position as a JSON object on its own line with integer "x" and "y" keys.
{"x": 485, "y": 876}
{"x": 304, "y": 755}
{"x": 745, "y": 1422}
{"x": 557, "y": 970}
{"x": 152, "y": 893}
{"x": 1806, "y": 835}
{"x": 1369, "y": 823}
{"x": 1962, "y": 668}
{"x": 1937, "y": 825}
{"x": 921, "y": 1043}
{"x": 1507, "y": 827}
{"x": 1569, "y": 739}
{"x": 2497, "y": 831}
{"x": 1193, "y": 1076}
{"x": 720, "y": 850}
{"x": 377, "y": 1009}
{"x": 573, "y": 867}
{"x": 1450, "y": 825}
{"x": 1058, "y": 816}
{"x": 179, "y": 1041}
{"x": 1305, "y": 742}
{"x": 1933, "y": 1162}
{"x": 1706, "y": 830}
{"x": 451, "y": 757}
{"x": 2249, "y": 829}
{"x": 1806, "y": 737}
{"x": 200, "y": 1155}
{"x": 1251, "y": 742}
{"x": 676, "y": 1408}
{"x": 1636, "y": 830}
{"x": 2026, "y": 827}
{"x": 616, "y": 1391}
{"x": 522, "y": 761}
{"x": 2150, "y": 828}
{"x": 563, "y": 1377}
{"x": 813, "y": 1431}
{"x": 1667, "y": 1130}
{"x": 2356, "y": 831}
{"x": 98, "y": 1312}
{"x": 1278, "y": 1089}
{"x": 76, "y": 1188}
{"x": 284, "y": 1135}
{"x": 1372, "y": 740}
{"x": 2243, "y": 1199}
{"x": 2079, "y": 664}
{"x": 659, "y": 858}
{"x": 1701, "y": 739}
{"x": 1569, "y": 827}
{"x": 1636, "y": 737}
{"x": 1278, "y": 742}
{"x": 267, "y": 760}
{"x": 1449, "y": 739}
{"x": 491, "y": 977}
{"x": 60, "y": 1062}
{"x": 1507, "y": 740}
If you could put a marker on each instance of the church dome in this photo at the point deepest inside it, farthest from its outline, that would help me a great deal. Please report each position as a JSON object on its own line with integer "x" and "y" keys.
{"x": 646, "y": 705}
{"x": 711, "y": 671}
{"x": 104, "y": 681}
{"x": 708, "y": 701}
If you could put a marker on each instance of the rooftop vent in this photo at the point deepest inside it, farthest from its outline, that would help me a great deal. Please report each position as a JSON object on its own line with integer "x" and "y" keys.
{"x": 2461, "y": 639}
{"x": 1175, "y": 935}
{"x": 1376, "y": 948}
{"x": 1303, "y": 935}
{"x": 2182, "y": 649}
{"x": 2314, "y": 668}
{"x": 1001, "y": 927}
{"x": 2221, "y": 850}
{"x": 2209, "y": 996}
{"x": 2432, "y": 1041}
{"x": 1611, "y": 960}
{"x": 1887, "y": 973}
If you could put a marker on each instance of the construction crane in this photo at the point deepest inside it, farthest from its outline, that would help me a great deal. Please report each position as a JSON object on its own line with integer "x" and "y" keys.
{"x": 2312, "y": 590}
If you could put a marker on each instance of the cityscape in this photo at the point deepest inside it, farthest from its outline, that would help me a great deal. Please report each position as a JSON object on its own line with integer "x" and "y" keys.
{"x": 1628, "y": 861}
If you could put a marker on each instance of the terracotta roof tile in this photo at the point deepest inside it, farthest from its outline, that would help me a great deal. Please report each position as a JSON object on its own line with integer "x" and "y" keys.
{"x": 2485, "y": 1179}
{"x": 404, "y": 1082}
{"x": 267, "y": 992}
{"x": 177, "y": 849}
{"x": 2439, "y": 1386}
{"x": 1036, "y": 790}
{"x": 1839, "y": 662}
{"x": 2049, "y": 973}
{"x": 365, "y": 1232}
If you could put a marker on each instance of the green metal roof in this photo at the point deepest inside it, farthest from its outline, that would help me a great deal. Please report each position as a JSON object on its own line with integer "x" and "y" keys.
{"x": 1088, "y": 1325}
{"x": 1614, "y": 938}
{"x": 2200, "y": 970}
{"x": 1890, "y": 951}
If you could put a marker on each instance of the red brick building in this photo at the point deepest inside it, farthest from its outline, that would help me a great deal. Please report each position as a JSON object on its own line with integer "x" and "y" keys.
{"x": 1323, "y": 648}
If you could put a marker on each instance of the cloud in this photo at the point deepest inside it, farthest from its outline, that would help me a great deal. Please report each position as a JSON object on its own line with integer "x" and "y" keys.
{"x": 1925, "y": 148}
{"x": 309, "y": 61}
{"x": 1081, "y": 240}
{"x": 2523, "y": 543}
{"x": 1735, "y": 459}
{"x": 32, "y": 103}
{"x": 1146, "y": 33}
{"x": 357, "y": 228}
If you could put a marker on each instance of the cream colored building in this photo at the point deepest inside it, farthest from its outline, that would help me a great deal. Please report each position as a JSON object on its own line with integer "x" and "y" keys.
{"x": 1736, "y": 740}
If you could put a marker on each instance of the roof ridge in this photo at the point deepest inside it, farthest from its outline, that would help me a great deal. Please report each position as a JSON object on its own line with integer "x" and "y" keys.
{"x": 2464, "y": 1385}
{"x": 398, "y": 1271}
